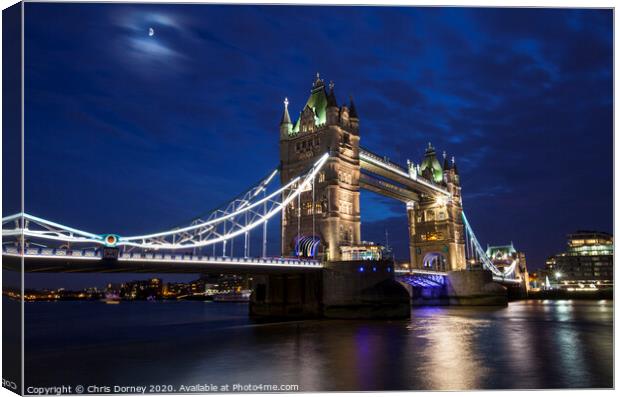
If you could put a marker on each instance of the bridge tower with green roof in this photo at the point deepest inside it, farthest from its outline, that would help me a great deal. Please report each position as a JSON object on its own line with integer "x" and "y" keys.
{"x": 437, "y": 237}
{"x": 327, "y": 217}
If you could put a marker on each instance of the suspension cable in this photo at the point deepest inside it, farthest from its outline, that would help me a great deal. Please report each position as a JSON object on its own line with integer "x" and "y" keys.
{"x": 264, "y": 229}
{"x": 298, "y": 224}
{"x": 313, "y": 212}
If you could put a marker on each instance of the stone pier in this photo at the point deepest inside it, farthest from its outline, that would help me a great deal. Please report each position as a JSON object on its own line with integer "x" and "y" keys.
{"x": 287, "y": 296}
{"x": 343, "y": 289}
{"x": 363, "y": 289}
{"x": 462, "y": 288}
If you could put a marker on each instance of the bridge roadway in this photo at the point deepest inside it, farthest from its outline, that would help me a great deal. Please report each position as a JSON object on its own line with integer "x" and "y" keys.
{"x": 43, "y": 260}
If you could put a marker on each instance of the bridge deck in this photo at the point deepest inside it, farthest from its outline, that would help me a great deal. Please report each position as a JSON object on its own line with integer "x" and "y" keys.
{"x": 68, "y": 262}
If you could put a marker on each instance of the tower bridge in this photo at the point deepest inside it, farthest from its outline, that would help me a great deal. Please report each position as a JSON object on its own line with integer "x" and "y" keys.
{"x": 431, "y": 193}
{"x": 322, "y": 171}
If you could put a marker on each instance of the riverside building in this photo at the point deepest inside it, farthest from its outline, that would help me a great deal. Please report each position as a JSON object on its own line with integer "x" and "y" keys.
{"x": 587, "y": 264}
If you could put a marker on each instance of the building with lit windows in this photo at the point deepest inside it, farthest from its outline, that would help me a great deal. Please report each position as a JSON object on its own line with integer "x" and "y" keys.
{"x": 587, "y": 264}
{"x": 142, "y": 289}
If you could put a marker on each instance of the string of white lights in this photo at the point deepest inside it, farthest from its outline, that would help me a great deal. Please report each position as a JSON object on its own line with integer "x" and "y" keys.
{"x": 296, "y": 186}
{"x": 255, "y": 212}
{"x": 486, "y": 262}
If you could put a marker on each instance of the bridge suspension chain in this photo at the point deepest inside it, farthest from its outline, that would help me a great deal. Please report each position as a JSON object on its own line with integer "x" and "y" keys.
{"x": 237, "y": 218}
{"x": 474, "y": 251}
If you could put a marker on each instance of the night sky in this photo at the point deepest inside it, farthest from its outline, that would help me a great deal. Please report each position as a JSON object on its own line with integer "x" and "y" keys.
{"x": 131, "y": 133}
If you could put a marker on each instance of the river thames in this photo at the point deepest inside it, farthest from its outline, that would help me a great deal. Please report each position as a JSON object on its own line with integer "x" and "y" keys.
{"x": 528, "y": 345}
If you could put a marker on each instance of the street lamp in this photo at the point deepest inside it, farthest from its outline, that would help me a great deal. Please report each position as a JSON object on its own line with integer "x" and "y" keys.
{"x": 558, "y": 274}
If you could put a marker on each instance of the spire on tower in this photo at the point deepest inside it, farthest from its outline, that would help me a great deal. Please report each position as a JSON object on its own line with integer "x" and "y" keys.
{"x": 352, "y": 110}
{"x": 454, "y": 166}
{"x": 318, "y": 82}
{"x": 446, "y": 163}
{"x": 286, "y": 118}
{"x": 331, "y": 97}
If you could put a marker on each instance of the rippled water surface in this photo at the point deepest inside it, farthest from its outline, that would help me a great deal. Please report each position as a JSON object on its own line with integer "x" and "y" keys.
{"x": 530, "y": 344}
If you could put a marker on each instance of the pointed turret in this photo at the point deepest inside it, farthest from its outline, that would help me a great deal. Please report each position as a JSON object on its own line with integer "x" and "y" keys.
{"x": 352, "y": 110}
{"x": 454, "y": 173}
{"x": 331, "y": 97}
{"x": 318, "y": 82}
{"x": 286, "y": 118}
{"x": 353, "y": 119}
{"x": 446, "y": 163}
{"x": 332, "y": 106}
{"x": 285, "y": 122}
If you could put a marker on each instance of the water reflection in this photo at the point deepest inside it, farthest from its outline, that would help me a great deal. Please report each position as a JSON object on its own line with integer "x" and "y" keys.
{"x": 451, "y": 360}
{"x": 531, "y": 344}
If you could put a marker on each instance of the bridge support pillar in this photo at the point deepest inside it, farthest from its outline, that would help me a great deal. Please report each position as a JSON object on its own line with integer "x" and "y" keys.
{"x": 475, "y": 288}
{"x": 517, "y": 291}
{"x": 343, "y": 289}
{"x": 286, "y": 296}
{"x": 462, "y": 288}
{"x": 363, "y": 290}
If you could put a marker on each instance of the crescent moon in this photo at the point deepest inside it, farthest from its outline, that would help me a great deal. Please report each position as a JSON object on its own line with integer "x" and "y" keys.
{"x": 151, "y": 32}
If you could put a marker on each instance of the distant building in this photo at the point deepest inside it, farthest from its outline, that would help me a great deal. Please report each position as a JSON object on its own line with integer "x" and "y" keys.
{"x": 220, "y": 284}
{"x": 113, "y": 288}
{"x": 508, "y": 260}
{"x": 207, "y": 285}
{"x": 172, "y": 290}
{"x": 586, "y": 265}
{"x": 142, "y": 289}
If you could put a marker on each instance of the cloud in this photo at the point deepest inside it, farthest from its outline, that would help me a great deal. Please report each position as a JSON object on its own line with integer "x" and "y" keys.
{"x": 152, "y": 49}
{"x": 140, "y": 21}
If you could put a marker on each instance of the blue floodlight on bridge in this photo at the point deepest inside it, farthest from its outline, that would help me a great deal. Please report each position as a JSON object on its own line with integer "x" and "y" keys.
{"x": 307, "y": 246}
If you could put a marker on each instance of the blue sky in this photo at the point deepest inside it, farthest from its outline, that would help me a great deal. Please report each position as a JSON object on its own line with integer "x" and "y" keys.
{"x": 129, "y": 133}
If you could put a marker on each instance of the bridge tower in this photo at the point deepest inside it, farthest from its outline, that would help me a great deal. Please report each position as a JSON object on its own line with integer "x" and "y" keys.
{"x": 437, "y": 239}
{"x": 327, "y": 216}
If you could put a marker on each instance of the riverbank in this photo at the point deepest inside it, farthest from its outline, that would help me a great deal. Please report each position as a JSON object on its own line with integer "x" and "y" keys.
{"x": 578, "y": 295}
